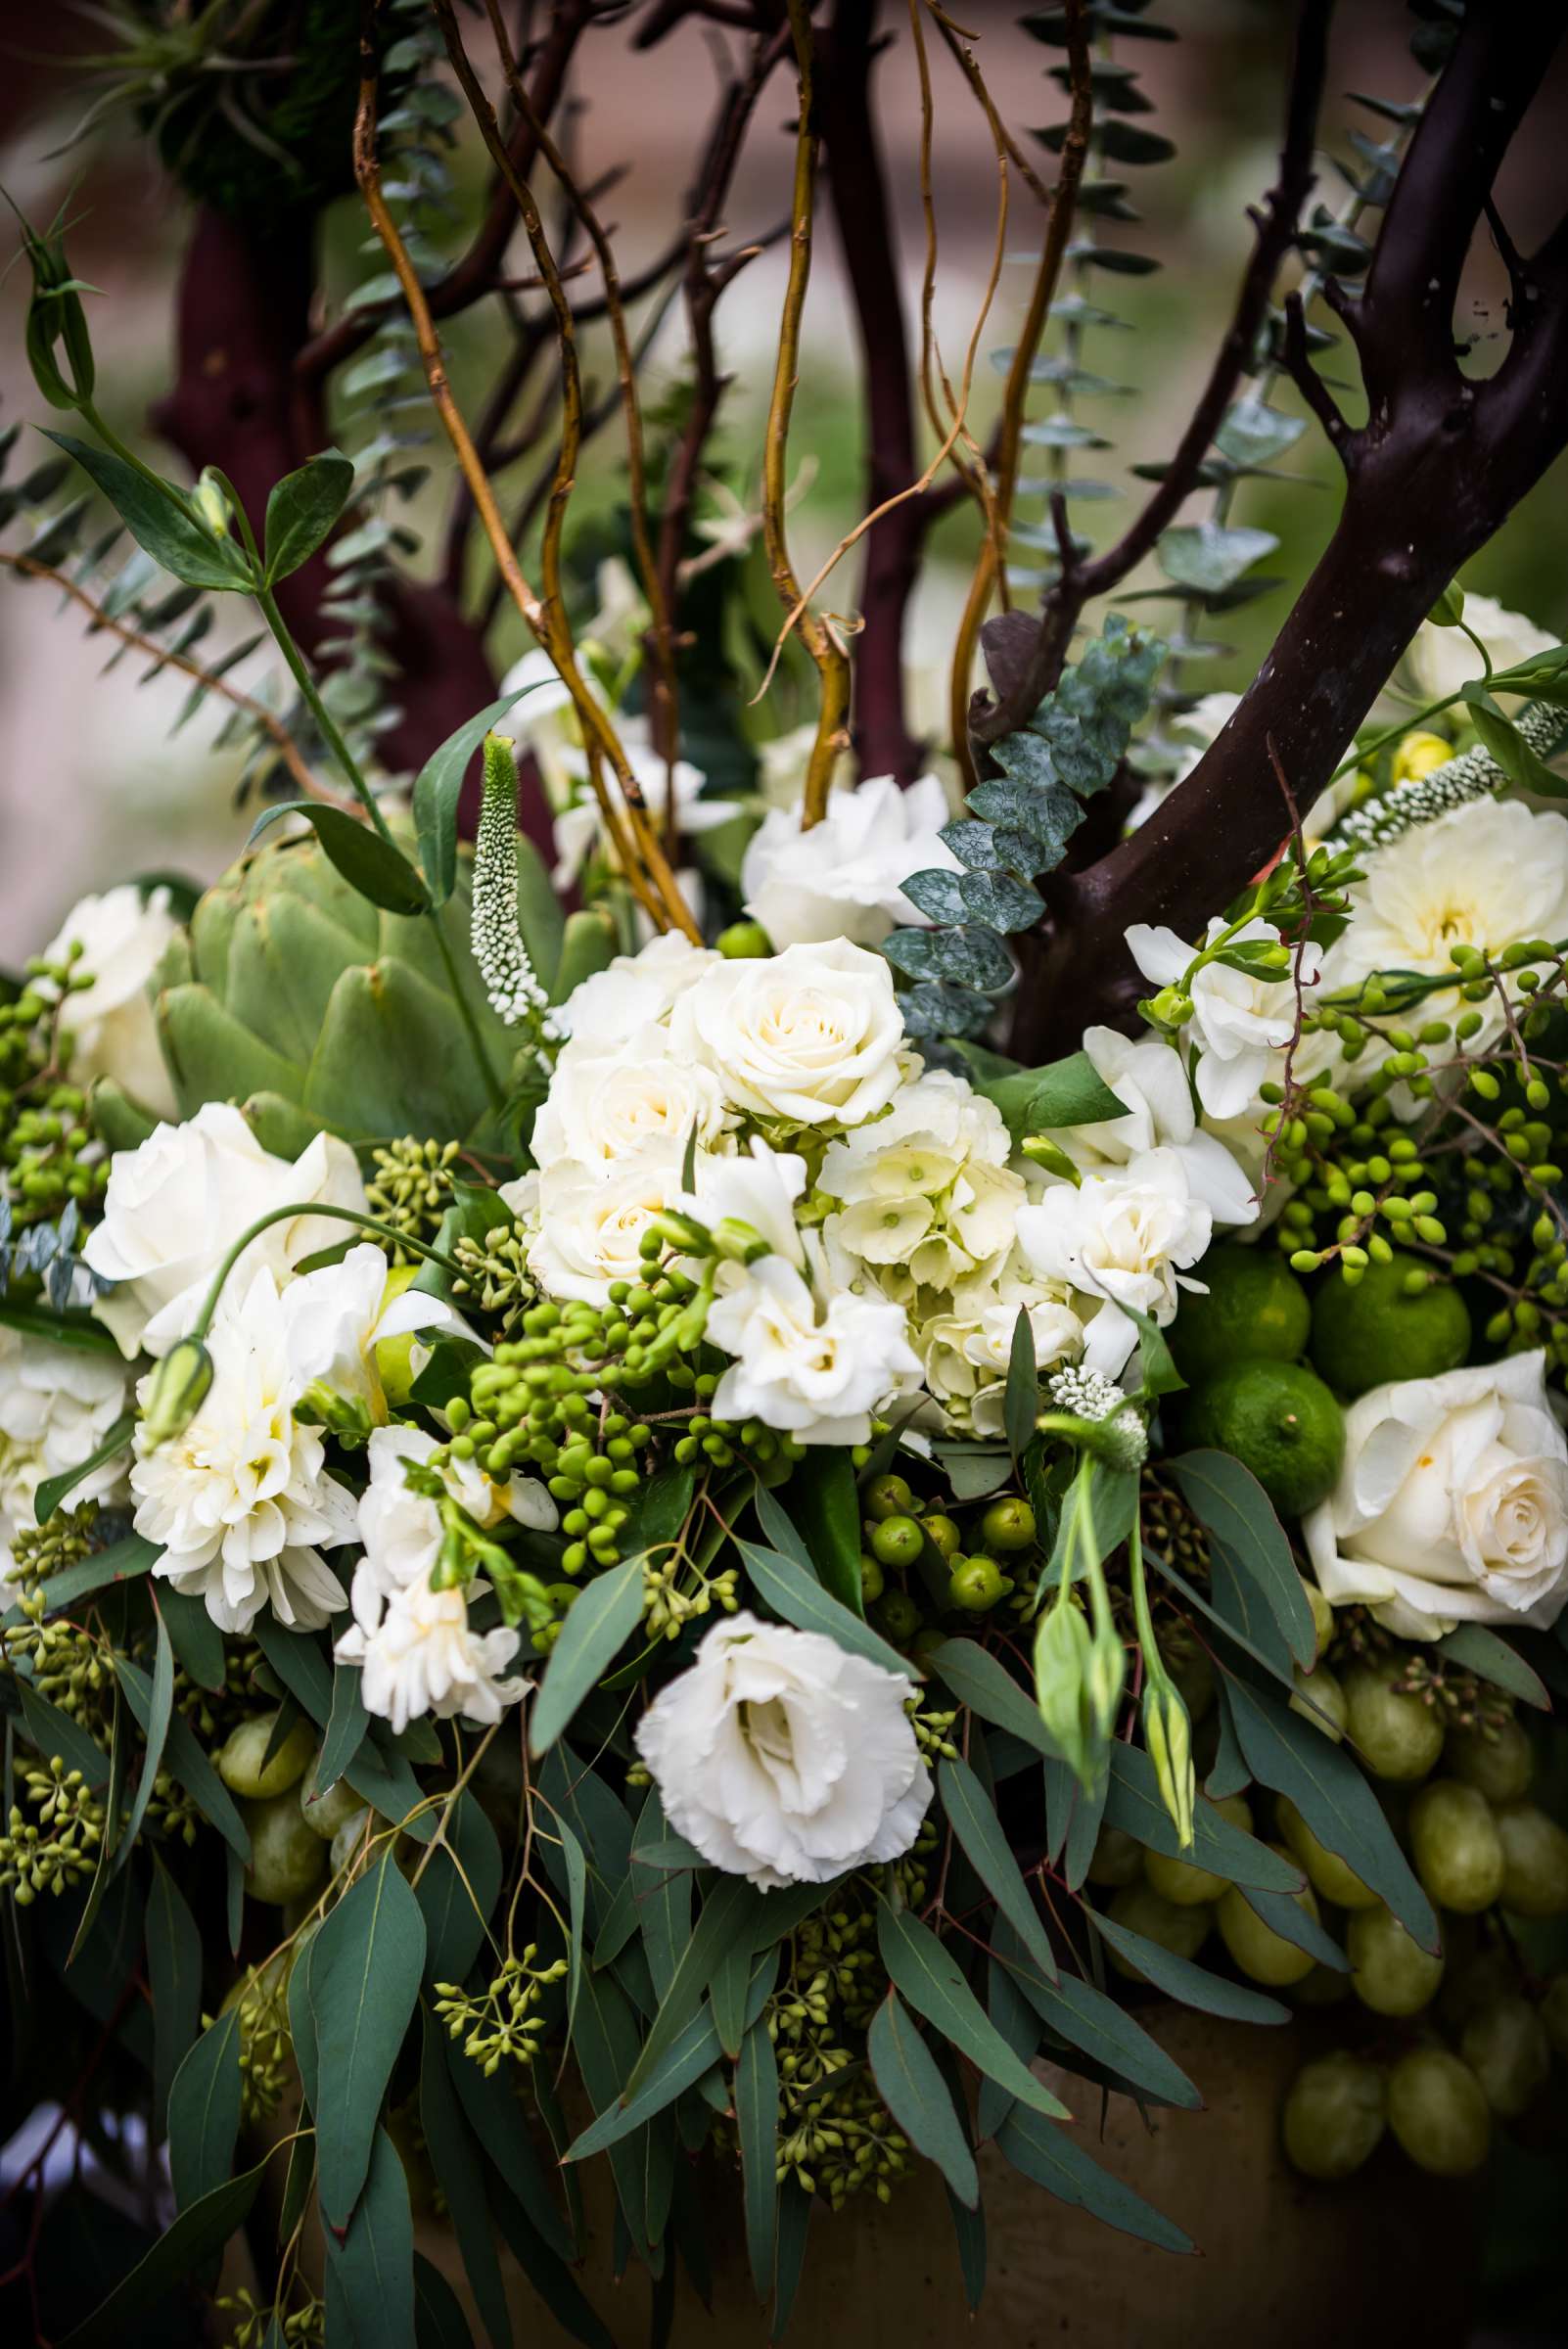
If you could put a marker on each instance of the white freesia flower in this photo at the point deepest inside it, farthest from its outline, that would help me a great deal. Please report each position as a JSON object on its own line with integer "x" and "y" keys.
{"x": 177, "y": 1205}
{"x": 419, "y": 1653}
{"x": 586, "y": 1222}
{"x": 1238, "y": 1023}
{"x": 1486, "y": 875}
{"x": 401, "y": 1529}
{"x": 114, "y": 1032}
{"x": 928, "y": 1199}
{"x": 1453, "y": 1503}
{"x": 1150, "y": 1077}
{"x": 1442, "y": 659}
{"x": 756, "y": 1189}
{"x": 1125, "y": 1238}
{"x": 816, "y": 1371}
{"x": 967, "y": 1351}
{"x": 338, "y": 1315}
{"x": 785, "y": 1759}
{"x": 1193, "y": 731}
{"x": 622, "y": 1103}
{"x": 812, "y": 1034}
{"x": 844, "y": 877}
{"x": 56, "y": 1405}
{"x": 579, "y": 825}
{"x": 631, "y": 993}
{"x": 241, "y": 1503}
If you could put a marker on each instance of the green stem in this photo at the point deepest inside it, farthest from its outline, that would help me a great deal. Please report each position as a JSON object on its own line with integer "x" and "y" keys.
{"x": 286, "y": 1214}
{"x": 1406, "y": 725}
{"x": 465, "y": 1010}
{"x": 1153, "y": 1661}
{"x": 128, "y": 456}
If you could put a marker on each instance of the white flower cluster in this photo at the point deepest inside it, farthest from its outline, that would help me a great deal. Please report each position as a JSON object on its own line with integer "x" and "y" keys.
{"x": 56, "y": 1406}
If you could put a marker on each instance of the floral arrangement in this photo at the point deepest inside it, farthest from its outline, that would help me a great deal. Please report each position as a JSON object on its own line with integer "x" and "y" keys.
{"x": 626, "y": 1541}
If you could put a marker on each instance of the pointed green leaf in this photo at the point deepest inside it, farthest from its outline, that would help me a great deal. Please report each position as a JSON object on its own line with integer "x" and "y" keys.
{"x": 439, "y": 2319}
{"x": 1228, "y": 1499}
{"x": 972, "y": 1816}
{"x": 55, "y": 1489}
{"x": 915, "y": 2093}
{"x": 599, "y": 1622}
{"x": 1190, "y": 1985}
{"x": 158, "y": 522}
{"x": 365, "y": 1968}
{"x": 1133, "y": 1802}
{"x": 160, "y": 1707}
{"x": 370, "y": 2268}
{"x": 196, "y": 2235}
{"x": 204, "y": 2112}
{"x": 300, "y": 511}
{"x": 1490, "y": 1656}
{"x": 928, "y": 1975}
{"x": 800, "y": 1599}
{"x": 979, "y": 1680}
{"x": 436, "y": 789}
{"x": 1053, "y": 2159}
{"x": 727, "y": 1916}
{"x": 185, "y": 1762}
{"x": 380, "y": 872}
{"x": 756, "y": 2126}
{"x": 823, "y": 1503}
{"x": 197, "y": 1641}
{"x": 1101, "y": 2029}
{"x": 348, "y": 1726}
{"x": 458, "y": 1890}
{"x": 174, "y": 1978}
{"x": 460, "y": 2174}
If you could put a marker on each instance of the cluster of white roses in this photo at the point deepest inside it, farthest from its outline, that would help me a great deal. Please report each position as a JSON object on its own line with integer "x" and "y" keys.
{"x": 902, "y": 1241}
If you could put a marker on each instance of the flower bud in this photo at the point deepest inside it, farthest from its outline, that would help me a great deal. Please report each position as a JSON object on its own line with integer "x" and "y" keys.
{"x": 1063, "y": 1648}
{"x": 1170, "y": 1008}
{"x": 742, "y": 1243}
{"x": 1168, "y": 1735}
{"x": 1052, "y": 1157}
{"x": 342, "y": 1415}
{"x": 744, "y": 941}
{"x": 212, "y": 503}
{"x": 177, "y": 1391}
{"x": 680, "y": 1231}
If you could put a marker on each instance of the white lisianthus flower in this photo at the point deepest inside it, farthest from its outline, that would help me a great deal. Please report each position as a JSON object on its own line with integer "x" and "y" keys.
{"x": 1486, "y": 875}
{"x": 631, "y": 993}
{"x": 1451, "y": 1505}
{"x": 603, "y": 1107}
{"x": 241, "y": 1503}
{"x": 1442, "y": 659}
{"x": 177, "y": 1205}
{"x": 1238, "y": 1023}
{"x": 928, "y": 1200}
{"x": 418, "y": 1654}
{"x": 785, "y": 1759}
{"x": 586, "y": 1223}
{"x": 56, "y": 1405}
{"x": 756, "y": 1189}
{"x": 1150, "y": 1077}
{"x": 815, "y": 1372}
{"x": 967, "y": 1351}
{"x": 812, "y": 1034}
{"x": 1194, "y": 730}
{"x": 1125, "y": 1238}
{"x": 111, "y": 1024}
{"x": 844, "y": 877}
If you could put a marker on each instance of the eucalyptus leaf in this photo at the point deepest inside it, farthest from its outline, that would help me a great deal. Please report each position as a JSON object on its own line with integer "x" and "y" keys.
{"x": 972, "y": 1816}
{"x": 370, "y": 2263}
{"x": 1053, "y": 2159}
{"x": 186, "y": 1760}
{"x": 757, "y": 2114}
{"x": 915, "y": 2093}
{"x": 204, "y": 2112}
{"x": 459, "y": 1889}
{"x": 800, "y": 1599}
{"x": 196, "y": 2235}
{"x": 927, "y": 1974}
{"x": 174, "y": 1978}
{"x": 1190, "y": 1985}
{"x": 366, "y": 1966}
{"x": 1489, "y": 1655}
{"x": 460, "y": 2174}
{"x": 978, "y": 1680}
{"x": 1134, "y": 1803}
{"x": 599, "y": 1622}
{"x": 1210, "y": 556}
{"x": 55, "y": 1489}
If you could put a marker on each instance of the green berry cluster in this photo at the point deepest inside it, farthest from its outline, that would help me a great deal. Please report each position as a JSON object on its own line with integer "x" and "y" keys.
{"x": 48, "y": 1154}
{"x": 902, "y": 1537}
{"x": 500, "y": 2021}
{"x": 266, "y": 2042}
{"x": 835, "y": 2134}
{"x": 58, "y": 1846}
{"x": 411, "y": 1188}
{"x": 38, "y": 1551}
{"x": 257, "y": 2324}
{"x": 68, "y": 1666}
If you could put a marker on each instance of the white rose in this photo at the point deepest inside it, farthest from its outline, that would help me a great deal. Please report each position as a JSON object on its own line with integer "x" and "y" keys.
{"x": 111, "y": 1023}
{"x": 1453, "y": 1503}
{"x": 785, "y": 1759}
{"x": 241, "y": 1503}
{"x": 606, "y": 1106}
{"x": 1487, "y": 874}
{"x": 1238, "y": 1023}
{"x": 177, "y": 1205}
{"x": 816, "y": 1372}
{"x": 634, "y": 992}
{"x": 1123, "y": 1238}
{"x": 1150, "y": 1077}
{"x": 418, "y": 1654}
{"x": 587, "y": 1222}
{"x": 812, "y": 1034}
{"x": 1442, "y": 659}
{"x": 926, "y": 1193}
{"x": 844, "y": 877}
{"x": 56, "y": 1405}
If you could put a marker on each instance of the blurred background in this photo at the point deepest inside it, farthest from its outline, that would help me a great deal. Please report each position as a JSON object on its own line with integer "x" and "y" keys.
{"x": 91, "y": 786}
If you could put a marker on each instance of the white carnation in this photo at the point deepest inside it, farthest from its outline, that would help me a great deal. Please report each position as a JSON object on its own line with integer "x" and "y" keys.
{"x": 177, "y": 1205}
{"x": 111, "y": 1023}
{"x": 241, "y": 1503}
{"x": 844, "y": 877}
{"x": 812, "y": 1034}
{"x": 927, "y": 1198}
{"x": 756, "y": 1189}
{"x": 785, "y": 1759}
{"x": 1125, "y": 1240}
{"x": 401, "y": 1529}
{"x": 1238, "y": 1023}
{"x": 815, "y": 1371}
{"x": 56, "y": 1405}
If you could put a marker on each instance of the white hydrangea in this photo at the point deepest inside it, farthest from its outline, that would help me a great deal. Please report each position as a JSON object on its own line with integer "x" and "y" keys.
{"x": 926, "y": 1198}
{"x": 56, "y": 1405}
{"x": 844, "y": 877}
{"x": 966, "y": 1352}
{"x": 814, "y": 1363}
{"x": 1123, "y": 1239}
{"x": 241, "y": 1503}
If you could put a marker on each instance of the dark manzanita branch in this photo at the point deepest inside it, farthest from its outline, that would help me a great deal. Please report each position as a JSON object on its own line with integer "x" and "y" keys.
{"x": 1432, "y": 474}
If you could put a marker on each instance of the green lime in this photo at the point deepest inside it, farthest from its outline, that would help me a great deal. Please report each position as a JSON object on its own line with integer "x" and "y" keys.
{"x": 1256, "y": 1307}
{"x": 1374, "y": 1334}
{"x": 1280, "y": 1421}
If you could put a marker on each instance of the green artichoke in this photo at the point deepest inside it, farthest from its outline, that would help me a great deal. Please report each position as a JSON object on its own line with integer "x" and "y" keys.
{"x": 295, "y": 997}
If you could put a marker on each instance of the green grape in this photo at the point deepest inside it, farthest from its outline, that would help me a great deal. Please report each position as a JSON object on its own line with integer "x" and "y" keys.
{"x": 1328, "y": 1873}
{"x": 1438, "y": 2112}
{"x": 1181, "y": 1931}
{"x": 1505, "y": 2046}
{"x": 1182, "y": 1880}
{"x": 1334, "y": 2115}
{"x": 1118, "y": 1857}
{"x": 1456, "y": 1846}
{"x": 1390, "y": 1972}
{"x": 1260, "y": 1952}
{"x": 1398, "y": 1737}
{"x": 1534, "y": 1861}
{"x": 1498, "y": 1763}
{"x": 242, "y": 1763}
{"x": 287, "y": 1858}
{"x": 324, "y": 1816}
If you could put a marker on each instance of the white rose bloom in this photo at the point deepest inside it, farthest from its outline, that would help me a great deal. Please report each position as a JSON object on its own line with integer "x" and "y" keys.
{"x": 1442, "y": 659}
{"x": 401, "y": 1529}
{"x": 1125, "y": 1238}
{"x": 113, "y": 1032}
{"x": 420, "y": 1654}
{"x": 631, "y": 993}
{"x": 177, "y": 1205}
{"x": 927, "y": 1196}
{"x": 1487, "y": 874}
{"x": 785, "y": 1759}
{"x": 816, "y": 1373}
{"x": 1151, "y": 1079}
{"x": 1238, "y": 1023}
{"x": 758, "y": 1187}
{"x": 56, "y": 1405}
{"x": 1451, "y": 1505}
{"x": 623, "y": 1103}
{"x": 812, "y": 1034}
{"x": 844, "y": 877}
{"x": 967, "y": 1352}
{"x": 1194, "y": 730}
{"x": 586, "y": 1223}
{"x": 241, "y": 1503}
